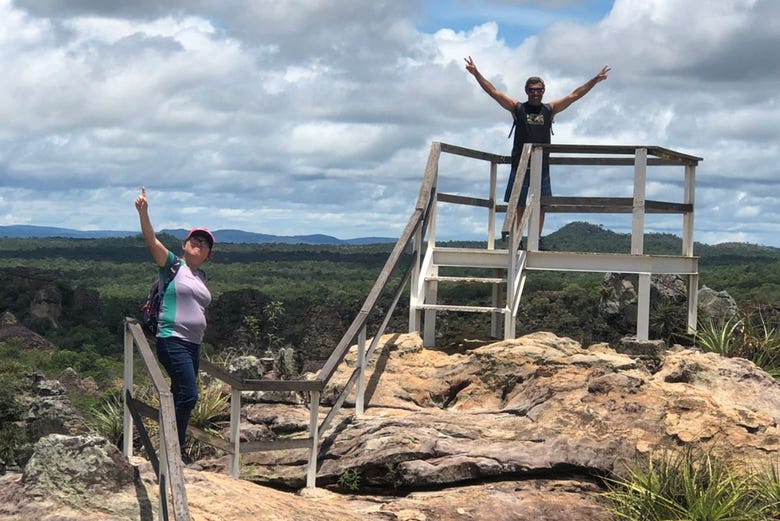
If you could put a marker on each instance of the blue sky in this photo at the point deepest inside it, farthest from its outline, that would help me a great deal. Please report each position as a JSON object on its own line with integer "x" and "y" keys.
{"x": 517, "y": 20}
{"x": 316, "y": 116}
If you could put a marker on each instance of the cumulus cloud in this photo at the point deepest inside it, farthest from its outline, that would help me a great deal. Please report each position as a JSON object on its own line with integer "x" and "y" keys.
{"x": 304, "y": 116}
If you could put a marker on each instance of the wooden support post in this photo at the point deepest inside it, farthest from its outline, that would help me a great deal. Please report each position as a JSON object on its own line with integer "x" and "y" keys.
{"x": 235, "y": 431}
{"x": 491, "y": 239}
{"x": 361, "y": 380}
{"x": 509, "y": 324}
{"x": 127, "y": 423}
{"x": 495, "y": 317}
{"x": 638, "y": 213}
{"x": 643, "y": 307}
{"x": 688, "y": 198}
{"x": 429, "y": 322}
{"x": 534, "y": 194}
{"x": 311, "y": 473}
{"x": 693, "y": 303}
{"x": 431, "y": 288}
{"x": 162, "y": 478}
{"x": 172, "y": 467}
{"x": 415, "y": 315}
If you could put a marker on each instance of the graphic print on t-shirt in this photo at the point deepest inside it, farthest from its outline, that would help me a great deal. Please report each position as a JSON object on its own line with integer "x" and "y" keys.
{"x": 534, "y": 119}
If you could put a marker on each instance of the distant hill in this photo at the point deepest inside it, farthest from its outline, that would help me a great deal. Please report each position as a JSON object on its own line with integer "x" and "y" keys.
{"x": 21, "y": 231}
{"x": 234, "y": 236}
{"x": 587, "y": 237}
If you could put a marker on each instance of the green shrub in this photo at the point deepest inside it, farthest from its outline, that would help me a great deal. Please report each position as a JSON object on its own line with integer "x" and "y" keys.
{"x": 350, "y": 480}
{"x": 691, "y": 485}
{"x": 107, "y": 418}
{"x": 751, "y": 336}
{"x": 721, "y": 338}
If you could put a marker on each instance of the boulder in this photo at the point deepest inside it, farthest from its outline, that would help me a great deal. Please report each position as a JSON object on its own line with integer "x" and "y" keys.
{"x": 716, "y": 306}
{"x": 50, "y": 411}
{"x": 619, "y": 301}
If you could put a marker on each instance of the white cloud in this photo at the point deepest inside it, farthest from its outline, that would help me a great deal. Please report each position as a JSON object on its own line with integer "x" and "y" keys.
{"x": 310, "y": 116}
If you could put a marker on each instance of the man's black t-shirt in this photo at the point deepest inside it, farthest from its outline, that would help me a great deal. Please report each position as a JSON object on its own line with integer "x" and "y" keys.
{"x": 533, "y": 124}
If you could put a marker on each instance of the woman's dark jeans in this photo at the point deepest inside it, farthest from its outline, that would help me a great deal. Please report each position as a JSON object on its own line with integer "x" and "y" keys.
{"x": 180, "y": 359}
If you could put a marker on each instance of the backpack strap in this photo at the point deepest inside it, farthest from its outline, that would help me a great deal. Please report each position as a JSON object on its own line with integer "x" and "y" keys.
{"x": 517, "y": 114}
{"x": 549, "y": 110}
{"x": 169, "y": 275}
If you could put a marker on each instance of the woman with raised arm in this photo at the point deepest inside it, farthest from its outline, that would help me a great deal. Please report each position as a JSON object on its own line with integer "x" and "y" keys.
{"x": 182, "y": 315}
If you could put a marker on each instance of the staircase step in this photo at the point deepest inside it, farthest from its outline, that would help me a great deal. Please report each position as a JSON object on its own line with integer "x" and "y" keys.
{"x": 470, "y": 309}
{"x": 470, "y": 257}
{"x": 483, "y": 280}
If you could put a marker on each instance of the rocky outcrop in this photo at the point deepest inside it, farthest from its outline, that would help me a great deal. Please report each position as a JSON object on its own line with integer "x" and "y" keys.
{"x": 86, "y": 479}
{"x": 619, "y": 300}
{"x": 10, "y": 328}
{"x": 536, "y": 406}
{"x": 41, "y": 298}
{"x": 74, "y": 383}
{"x": 50, "y": 411}
{"x": 73, "y": 478}
{"x": 45, "y": 409}
{"x": 521, "y": 429}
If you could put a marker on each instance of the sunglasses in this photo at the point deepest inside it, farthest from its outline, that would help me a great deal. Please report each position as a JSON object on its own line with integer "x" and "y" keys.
{"x": 199, "y": 241}
{"x": 535, "y": 90}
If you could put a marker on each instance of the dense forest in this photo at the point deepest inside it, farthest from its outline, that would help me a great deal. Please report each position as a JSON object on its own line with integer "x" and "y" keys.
{"x": 328, "y": 283}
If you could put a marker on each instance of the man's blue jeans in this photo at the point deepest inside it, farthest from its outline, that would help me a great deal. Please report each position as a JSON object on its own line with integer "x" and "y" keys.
{"x": 180, "y": 360}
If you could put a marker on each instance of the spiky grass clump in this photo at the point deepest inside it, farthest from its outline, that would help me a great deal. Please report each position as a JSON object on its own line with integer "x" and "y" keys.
{"x": 692, "y": 485}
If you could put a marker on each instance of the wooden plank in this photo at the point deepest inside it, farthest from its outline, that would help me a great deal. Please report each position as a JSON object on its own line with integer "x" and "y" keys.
{"x": 640, "y": 193}
{"x": 429, "y": 178}
{"x": 660, "y": 152}
{"x": 491, "y": 237}
{"x": 612, "y": 161}
{"x": 181, "y": 511}
{"x": 474, "y": 154}
{"x": 220, "y": 373}
{"x": 482, "y": 280}
{"x": 673, "y": 154}
{"x": 249, "y": 384}
{"x": 611, "y": 262}
{"x": 609, "y": 205}
{"x": 134, "y": 406}
{"x": 468, "y": 309}
{"x": 664, "y": 207}
{"x": 158, "y": 380}
{"x": 586, "y": 201}
{"x": 282, "y": 385}
{"x": 339, "y": 401}
{"x": 273, "y": 445}
{"x": 205, "y": 437}
{"x": 147, "y": 411}
{"x": 462, "y": 199}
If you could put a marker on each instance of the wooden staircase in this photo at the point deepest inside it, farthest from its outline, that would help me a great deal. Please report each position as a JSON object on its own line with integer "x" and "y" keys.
{"x": 475, "y": 262}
